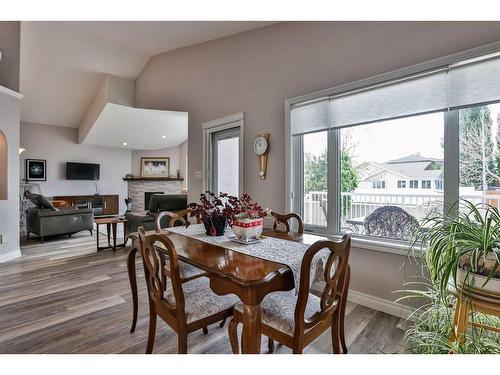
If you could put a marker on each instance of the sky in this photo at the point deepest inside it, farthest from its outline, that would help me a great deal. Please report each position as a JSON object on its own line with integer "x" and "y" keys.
{"x": 386, "y": 140}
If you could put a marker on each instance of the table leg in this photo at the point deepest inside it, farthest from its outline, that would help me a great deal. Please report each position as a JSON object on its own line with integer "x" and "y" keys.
{"x": 97, "y": 236}
{"x": 250, "y": 338}
{"x": 108, "y": 230}
{"x": 114, "y": 235}
{"x": 133, "y": 284}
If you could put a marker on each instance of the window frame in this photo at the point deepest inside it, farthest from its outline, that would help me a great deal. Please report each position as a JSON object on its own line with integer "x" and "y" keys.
{"x": 293, "y": 195}
{"x": 401, "y": 184}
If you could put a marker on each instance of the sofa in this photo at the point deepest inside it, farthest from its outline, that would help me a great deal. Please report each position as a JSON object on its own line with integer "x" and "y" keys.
{"x": 157, "y": 203}
{"x": 66, "y": 220}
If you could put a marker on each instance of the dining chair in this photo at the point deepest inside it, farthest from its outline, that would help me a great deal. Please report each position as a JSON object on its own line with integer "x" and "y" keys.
{"x": 185, "y": 307}
{"x": 188, "y": 272}
{"x": 295, "y": 320}
{"x": 284, "y": 220}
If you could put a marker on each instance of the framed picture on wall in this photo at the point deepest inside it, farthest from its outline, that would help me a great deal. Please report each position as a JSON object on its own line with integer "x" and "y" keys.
{"x": 155, "y": 167}
{"x": 36, "y": 170}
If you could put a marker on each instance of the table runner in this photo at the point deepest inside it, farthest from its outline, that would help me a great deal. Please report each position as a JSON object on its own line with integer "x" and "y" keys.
{"x": 277, "y": 250}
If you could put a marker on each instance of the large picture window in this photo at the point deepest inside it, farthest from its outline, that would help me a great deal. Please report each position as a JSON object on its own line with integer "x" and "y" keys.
{"x": 374, "y": 159}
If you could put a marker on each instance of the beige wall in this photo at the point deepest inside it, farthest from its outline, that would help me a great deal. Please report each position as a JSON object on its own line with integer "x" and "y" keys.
{"x": 256, "y": 71}
{"x": 10, "y": 36}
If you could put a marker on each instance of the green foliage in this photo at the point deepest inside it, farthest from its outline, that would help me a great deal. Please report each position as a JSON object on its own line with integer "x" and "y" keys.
{"x": 316, "y": 173}
{"x": 433, "y": 321}
{"x": 476, "y": 147}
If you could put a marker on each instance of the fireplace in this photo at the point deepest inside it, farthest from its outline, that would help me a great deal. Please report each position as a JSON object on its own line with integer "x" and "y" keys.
{"x": 147, "y": 198}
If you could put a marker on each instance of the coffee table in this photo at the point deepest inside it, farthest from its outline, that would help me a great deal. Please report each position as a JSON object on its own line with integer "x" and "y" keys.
{"x": 111, "y": 224}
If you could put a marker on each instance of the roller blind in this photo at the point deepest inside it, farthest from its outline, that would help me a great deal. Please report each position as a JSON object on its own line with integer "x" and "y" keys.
{"x": 468, "y": 83}
{"x": 411, "y": 96}
{"x": 474, "y": 83}
{"x": 310, "y": 117}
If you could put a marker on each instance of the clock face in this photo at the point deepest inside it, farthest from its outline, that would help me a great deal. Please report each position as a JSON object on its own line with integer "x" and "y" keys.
{"x": 260, "y": 145}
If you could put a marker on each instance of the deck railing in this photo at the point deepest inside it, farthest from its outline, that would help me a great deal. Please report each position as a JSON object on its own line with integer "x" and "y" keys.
{"x": 356, "y": 206}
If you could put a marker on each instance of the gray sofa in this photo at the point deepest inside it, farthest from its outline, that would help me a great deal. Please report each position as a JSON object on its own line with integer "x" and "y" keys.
{"x": 67, "y": 220}
{"x": 158, "y": 203}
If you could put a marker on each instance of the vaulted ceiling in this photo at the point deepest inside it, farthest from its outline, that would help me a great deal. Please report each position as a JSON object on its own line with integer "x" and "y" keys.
{"x": 63, "y": 64}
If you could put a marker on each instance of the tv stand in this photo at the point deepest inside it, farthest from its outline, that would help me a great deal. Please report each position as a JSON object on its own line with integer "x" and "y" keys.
{"x": 102, "y": 205}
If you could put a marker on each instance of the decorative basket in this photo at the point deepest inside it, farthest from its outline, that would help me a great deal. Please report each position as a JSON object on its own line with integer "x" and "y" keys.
{"x": 248, "y": 228}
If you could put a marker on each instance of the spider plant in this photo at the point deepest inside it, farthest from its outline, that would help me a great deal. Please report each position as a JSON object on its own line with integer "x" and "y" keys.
{"x": 468, "y": 231}
{"x": 433, "y": 321}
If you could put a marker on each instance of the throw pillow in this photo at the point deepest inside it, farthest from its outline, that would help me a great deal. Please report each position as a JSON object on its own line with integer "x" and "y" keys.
{"x": 40, "y": 201}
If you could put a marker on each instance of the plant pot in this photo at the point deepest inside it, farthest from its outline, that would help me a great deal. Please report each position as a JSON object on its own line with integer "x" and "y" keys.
{"x": 219, "y": 223}
{"x": 248, "y": 228}
{"x": 473, "y": 283}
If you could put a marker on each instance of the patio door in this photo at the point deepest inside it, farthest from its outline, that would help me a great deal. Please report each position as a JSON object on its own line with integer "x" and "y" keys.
{"x": 223, "y": 155}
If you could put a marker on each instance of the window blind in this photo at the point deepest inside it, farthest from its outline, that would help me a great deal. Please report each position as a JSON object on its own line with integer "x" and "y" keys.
{"x": 310, "y": 117}
{"x": 459, "y": 85}
{"x": 474, "y": 83}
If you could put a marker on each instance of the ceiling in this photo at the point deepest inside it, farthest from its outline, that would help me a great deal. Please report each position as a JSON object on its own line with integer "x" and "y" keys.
{"x": 64, "y": 63}
{"x": 140, "y": 129}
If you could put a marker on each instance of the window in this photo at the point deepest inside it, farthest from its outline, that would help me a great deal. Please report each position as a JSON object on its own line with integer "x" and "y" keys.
{"x": 426, "y": 184}
{"x": 315, "y": 178}
{"x": 412, "y": 144}
{"x": 438, "y": 184}
{"x": 479, "y": 155}
{"x": 378, "y": 184}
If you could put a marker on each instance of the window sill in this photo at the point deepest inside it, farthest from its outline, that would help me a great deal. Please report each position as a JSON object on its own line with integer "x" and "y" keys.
{"x": 381, "y": 245}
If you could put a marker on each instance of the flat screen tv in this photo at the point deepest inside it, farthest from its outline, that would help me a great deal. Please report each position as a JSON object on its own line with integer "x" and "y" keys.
{"x": 82, "y": 171}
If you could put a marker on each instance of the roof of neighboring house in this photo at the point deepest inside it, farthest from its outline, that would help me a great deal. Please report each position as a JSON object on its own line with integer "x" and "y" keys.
{"x": 411, "y": 167}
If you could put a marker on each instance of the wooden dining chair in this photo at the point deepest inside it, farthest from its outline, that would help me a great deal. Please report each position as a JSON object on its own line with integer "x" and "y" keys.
{"x": 284, "y": 220}
{"x": 185, "y": 307}
{"x": 296, "y": 320}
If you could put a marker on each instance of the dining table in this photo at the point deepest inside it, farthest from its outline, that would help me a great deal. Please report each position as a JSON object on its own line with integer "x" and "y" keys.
{"x": 250, "y": 277}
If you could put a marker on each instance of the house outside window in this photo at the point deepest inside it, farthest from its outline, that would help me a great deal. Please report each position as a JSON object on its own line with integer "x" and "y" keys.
{"x": 439, "y": 184}
{"x": 401, "y": 184}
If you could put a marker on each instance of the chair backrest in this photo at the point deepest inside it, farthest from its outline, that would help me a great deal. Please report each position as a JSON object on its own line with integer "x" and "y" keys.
{"x": 390, "y": 221}
{"x": 334, "y": 275}
{"x": 167, "y": 202}
{"x": 178, "y": 218}
{"x": 284, "y": 220}
{"x": 152, "y": 260}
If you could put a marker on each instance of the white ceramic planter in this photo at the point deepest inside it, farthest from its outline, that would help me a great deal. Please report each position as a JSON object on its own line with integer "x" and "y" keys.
{"x": 248, "y": 228}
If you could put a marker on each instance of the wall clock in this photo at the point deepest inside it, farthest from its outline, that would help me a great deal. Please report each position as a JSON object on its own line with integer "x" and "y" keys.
{"x": 261, "y": 149}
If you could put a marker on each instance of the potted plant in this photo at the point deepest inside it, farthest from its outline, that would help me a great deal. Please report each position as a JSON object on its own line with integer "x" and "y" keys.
{"x": 216, "y": 212}
{"x": 464, "y": 249}
{"x": 248, "y": 218}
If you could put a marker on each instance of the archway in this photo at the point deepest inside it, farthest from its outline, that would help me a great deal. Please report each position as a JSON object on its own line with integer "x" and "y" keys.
{"x": 3, "y": 166}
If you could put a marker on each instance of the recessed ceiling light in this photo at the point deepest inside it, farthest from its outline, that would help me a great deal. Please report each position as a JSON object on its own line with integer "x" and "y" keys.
{"x": 125, "y": 143}
{"x": 164, "y": 136}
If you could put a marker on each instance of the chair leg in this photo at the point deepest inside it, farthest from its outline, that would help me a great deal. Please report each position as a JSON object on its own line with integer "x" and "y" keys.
{"x": 41, "y": 239}
{"x": 205, "y": 330}
{"x": 342, "y": 311}
{"x": 335, "y": 330}
{"x": 270, "y": 345}
{"x": 91, "y": 232}
{"x": 27, "y": 235}
{"x": 222, "y": 323}
{"x": 232, "y": 329}
{"x": 152, "y": 331}
{"x": 182, "y": 343}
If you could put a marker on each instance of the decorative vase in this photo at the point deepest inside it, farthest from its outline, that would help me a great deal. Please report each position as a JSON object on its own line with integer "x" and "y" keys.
{"x": 248, "y": 228}
{"x": 215, "y": 225}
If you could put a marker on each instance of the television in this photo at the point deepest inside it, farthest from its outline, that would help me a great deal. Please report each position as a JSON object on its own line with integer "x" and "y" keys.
{"x": 82, "y": 171}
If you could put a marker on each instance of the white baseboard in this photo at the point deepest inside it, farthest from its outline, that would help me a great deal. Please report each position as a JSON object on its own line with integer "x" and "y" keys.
{"x": 379, "y": 304}
{"x": 10, "y": 255}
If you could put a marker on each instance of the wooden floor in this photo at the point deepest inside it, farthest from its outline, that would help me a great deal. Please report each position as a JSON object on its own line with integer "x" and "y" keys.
{"x": 64, "y": 297}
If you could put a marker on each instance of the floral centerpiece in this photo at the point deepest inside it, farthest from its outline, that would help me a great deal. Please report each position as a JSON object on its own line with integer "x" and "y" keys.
{"x": 216, "y": 212}
{"x": 248, "y": 218}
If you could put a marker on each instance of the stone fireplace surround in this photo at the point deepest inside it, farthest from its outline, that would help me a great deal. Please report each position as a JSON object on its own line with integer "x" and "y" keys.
{"x": 136, "y": 190}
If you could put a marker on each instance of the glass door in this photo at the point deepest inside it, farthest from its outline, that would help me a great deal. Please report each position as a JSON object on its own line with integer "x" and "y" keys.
{"x": 225, "y": 145}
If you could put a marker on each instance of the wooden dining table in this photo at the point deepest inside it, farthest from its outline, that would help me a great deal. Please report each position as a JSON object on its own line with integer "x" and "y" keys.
{"x": 231, "y": 272}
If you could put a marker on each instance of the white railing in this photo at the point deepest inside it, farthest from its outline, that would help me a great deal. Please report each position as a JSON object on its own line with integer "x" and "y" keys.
{"x": 356, "y": 206}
